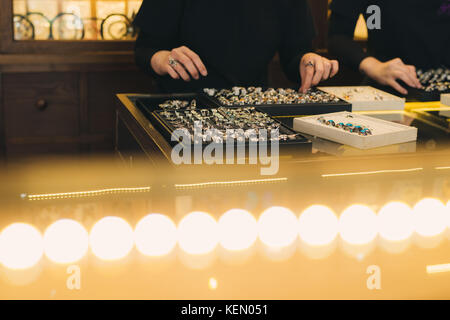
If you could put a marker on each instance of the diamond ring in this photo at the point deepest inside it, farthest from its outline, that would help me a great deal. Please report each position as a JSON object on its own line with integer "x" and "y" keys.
{"x": 172, "y": 62}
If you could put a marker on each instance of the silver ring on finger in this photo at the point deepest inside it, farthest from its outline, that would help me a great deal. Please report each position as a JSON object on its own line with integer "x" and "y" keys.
{"x": 310, "y": 64}
{"x": 172, "y": 62}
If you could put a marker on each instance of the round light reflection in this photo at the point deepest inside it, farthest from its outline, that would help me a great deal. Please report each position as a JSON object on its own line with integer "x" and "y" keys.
{"x": 277, "y": 227}
{"x": 395, "y": 221}
{"x": 21, "y": 246}
{"x": 238, "y": 230}
{"x": 65, "y": 241}
{"x": 111, "y": 238}
{"x": 155, "y": 235}
{"x": 198, "y": 233}
{"x": 318, "y": 225}
{"x": 358, "y": 225}
{"x": 429, "y": 217}
{"x": 448, "y": 214}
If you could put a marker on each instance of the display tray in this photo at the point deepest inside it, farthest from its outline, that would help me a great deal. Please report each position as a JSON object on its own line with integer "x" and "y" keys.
{"x": 152, "y": 102}
{"x": 377, "y": 133}
{"x": 284, "y": 109}
{"x": 365, "y": 98}
{"x": 161, "y": 119}
{"x": 445, "y": 99}
{"x": 435, "y": 83}
{"x": 341, "y": 150}
{"x": 418, "y": 95}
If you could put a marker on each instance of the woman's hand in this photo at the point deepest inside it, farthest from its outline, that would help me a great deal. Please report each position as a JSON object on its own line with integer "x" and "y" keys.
{"x": 387, "y": 73}
{"x": 314, "y": 69}
{"x": 179, "y": 63}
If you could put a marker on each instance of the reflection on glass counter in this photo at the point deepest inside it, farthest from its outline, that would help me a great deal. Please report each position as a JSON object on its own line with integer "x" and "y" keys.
{"x": 309, "y": 233}
{"x": 74, "y": 19}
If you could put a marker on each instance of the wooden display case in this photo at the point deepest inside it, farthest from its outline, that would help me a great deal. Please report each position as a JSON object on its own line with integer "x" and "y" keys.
{"x": 57, "y": 93}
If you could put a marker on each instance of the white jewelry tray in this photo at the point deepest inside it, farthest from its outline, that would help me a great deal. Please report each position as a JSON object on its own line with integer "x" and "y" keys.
{"x": 445, "y": 99}
{"x": 367, "y": 98}
{"x": 384, "y": 133}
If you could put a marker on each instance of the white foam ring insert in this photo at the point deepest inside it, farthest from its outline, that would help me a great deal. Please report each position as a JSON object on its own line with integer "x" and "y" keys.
{"x": 384, "y": 133}
{"x": 365, "y": 98}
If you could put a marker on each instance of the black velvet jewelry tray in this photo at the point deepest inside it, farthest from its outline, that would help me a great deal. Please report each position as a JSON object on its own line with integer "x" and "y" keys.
{"x": 149, "y": 105}
{"x": 292, "y": 109}
{"x": 418, "y": 95}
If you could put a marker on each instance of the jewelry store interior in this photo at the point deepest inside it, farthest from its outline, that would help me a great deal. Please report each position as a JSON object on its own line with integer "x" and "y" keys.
{"x": 113, "y": 188}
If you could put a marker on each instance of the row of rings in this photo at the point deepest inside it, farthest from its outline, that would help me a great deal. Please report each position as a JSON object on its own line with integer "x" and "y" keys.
{"x": 363, "y": 131}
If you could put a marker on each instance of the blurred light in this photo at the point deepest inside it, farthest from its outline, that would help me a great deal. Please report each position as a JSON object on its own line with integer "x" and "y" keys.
{"x": 429, "y": 217}
{"x": 228, "y": 183}
{"x": 155, "y": 235}
{"x": 212, "y": 284}
{"x": 81, "y": 194}
{"x": 370, "y": 172}
{"x": 277, "y": 227}
{"x": 21, "y": 246}
{"x": 318, "y": 225}
{"x": 238, "y": 230}
{"x": 448, "y": 214}
{"x": 358, "y": 225}
{"x": 395, "y": 221}
{"x": 198, "y": 233}
{"x": 438, "y": 268}
{"x": 111, "y": 238}
{"x": 65, "y": 241}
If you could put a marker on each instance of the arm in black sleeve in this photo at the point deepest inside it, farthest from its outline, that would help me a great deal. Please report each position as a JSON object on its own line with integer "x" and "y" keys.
{"x": 344, "y": 16}
{"x": 298, "y": 32}
{"x": 158, "y": 22}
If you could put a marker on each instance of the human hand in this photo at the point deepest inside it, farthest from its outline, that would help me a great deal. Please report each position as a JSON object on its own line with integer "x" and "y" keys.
{"x": 315, "y": 68}
{"x": 179, "y": 63}
{"x": 387, "y": 73}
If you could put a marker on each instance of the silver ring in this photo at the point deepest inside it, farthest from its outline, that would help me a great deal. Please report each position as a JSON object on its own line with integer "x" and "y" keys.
{"x": 310, "y": 64}
{"x": 172, "y": 62}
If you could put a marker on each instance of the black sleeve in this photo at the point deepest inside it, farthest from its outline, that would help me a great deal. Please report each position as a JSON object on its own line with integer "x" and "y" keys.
{"x": 158, "y": 23}
{"x": 298, "y": 32}
{"x": 344, "y": 16}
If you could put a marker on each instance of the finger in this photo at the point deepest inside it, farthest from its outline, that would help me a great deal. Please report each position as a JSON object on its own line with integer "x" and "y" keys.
{"x": 394, "y": 84}
{"x": 404, "y": 76}
{"x": 187, "y": 63}
{"x": 196, "y": 59}
{"x": 334, "y": 68}
{"x": 171, "y": 71}
{"x": 302, "y": 76}
{"x": 308, "y": 72}
{"x": 398, "y": 61}
{"x": 182, "y": 72}
{"x": 319, "y": 70}
{"x": 413, "y": 76}
{"x": 326, "y": 69}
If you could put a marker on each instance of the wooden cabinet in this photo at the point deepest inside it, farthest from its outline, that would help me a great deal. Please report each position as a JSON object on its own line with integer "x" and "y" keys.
{"x": 41, "y": 104}
{"x": 58, "y": 97}
{"x": 64, "y": 111}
